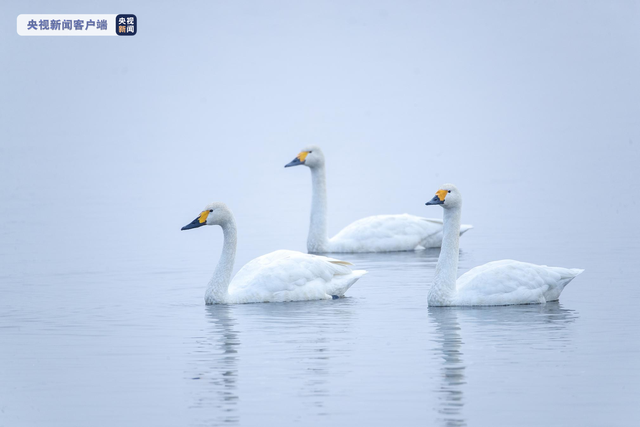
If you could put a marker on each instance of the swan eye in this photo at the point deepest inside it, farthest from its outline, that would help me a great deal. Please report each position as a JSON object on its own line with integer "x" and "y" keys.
{"x": 310, "y": 152}
{"x": 211, "y": 210}
{"x": 449, "y": 191}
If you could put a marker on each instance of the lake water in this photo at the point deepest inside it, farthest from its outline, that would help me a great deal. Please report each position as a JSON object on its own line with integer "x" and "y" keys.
{"x": 124, "y": 341}
{"x": 111, "y": 144}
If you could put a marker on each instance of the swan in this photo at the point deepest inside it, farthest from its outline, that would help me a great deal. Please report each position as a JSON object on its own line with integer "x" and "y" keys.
{"x": 502, "y": 282}
{"x": 379, "y": 233}
{"x": 277, "y": 276}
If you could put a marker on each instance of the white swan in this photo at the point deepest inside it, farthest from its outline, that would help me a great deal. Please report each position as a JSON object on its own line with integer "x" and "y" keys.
{"x": 379, "y": 233}
{"x": 503, "y": 282}
{"x": 277, "y": 276}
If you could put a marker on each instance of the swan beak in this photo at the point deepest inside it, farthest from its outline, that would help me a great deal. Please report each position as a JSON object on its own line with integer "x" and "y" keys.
{"x": 194, "y": 224}
{"x": 299, "y": 160}
{"x": 435, "y": 201}
{"x": 294, "y": 162}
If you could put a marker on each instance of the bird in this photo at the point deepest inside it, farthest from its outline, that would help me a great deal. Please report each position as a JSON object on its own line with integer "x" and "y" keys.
{"x": 378, "y": 233}
{"x": 504, "y": 282}
{"x": 279, "y": 276}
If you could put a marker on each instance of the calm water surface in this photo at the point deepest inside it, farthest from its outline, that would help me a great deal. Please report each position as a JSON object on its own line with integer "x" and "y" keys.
{"x": 133, "y": 343}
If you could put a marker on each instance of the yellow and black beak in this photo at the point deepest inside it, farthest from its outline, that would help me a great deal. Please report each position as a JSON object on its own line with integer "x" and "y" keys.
{"x": 299, "y": 160}
{"x": 438, "y": 199}
{"x": 198, "y": 222}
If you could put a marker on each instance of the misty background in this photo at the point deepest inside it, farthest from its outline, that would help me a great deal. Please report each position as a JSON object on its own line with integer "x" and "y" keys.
{"x": 531, "y": 109}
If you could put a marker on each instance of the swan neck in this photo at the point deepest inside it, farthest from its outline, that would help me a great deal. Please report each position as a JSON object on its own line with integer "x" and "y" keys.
{"x": 218, "y": 289}
{"x": 317, "y": 241}
{"x": 444, "y": 282}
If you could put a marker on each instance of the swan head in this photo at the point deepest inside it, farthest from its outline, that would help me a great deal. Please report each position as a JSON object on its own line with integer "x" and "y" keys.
{"x": 310, "y": 156}
{"x": 448, "y": 196}
{"x": 216, "y": 213}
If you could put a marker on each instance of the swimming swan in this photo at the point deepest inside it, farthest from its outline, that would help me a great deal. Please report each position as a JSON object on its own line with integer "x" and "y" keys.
{"x": 503, "y": 282}
{"x": 277, "y": 276}
{"x": 379, "y": 233}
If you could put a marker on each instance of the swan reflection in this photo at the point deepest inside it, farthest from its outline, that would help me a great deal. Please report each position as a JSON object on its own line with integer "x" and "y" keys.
{"x": 450, "y": 389}
{"x": 315, "y": 335}
{"x": 316, "y": 332}
{"x": 512, "y": 327}
{"x": 218, "y": 367}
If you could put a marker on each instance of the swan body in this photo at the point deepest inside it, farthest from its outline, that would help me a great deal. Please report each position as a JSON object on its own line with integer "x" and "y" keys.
{"x": 292, "y": 276}
{"x": 509, "y": 282}
{"x": 379, "y": 233}
{"x": 275, "y": 277}
{"x": 389, "y": 233}
{"x": 503, "y": 282}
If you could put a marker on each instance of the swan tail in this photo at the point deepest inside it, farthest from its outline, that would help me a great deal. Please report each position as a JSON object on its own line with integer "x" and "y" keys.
{"x": 464, "y": 228}
{"x": 566, "y": 276}
{"x": 573, "y": 273}
{"x": 347, "y": 281}
{"x": 359, "y": 273}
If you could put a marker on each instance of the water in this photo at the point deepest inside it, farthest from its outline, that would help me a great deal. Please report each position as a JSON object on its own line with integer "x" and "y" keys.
{"x": 117, "y": 347}
{"x": 531, "y": 109}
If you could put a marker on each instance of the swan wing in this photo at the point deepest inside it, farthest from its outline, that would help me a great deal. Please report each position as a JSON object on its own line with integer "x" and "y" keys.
{"x": 384, "y": 233}
{"x": 292, "y": 276}
{"x": 512, "y": 282}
